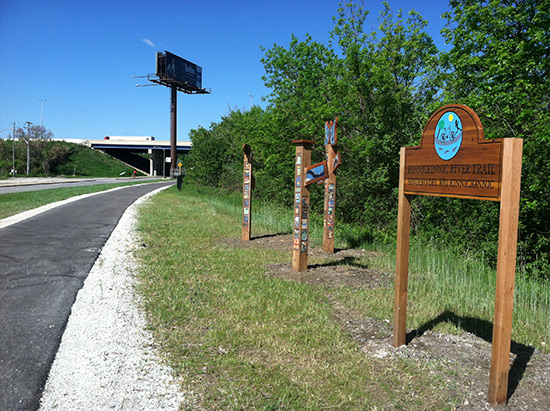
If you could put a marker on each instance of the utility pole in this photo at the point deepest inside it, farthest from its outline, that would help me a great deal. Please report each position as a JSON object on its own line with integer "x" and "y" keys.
{"x": 13, "y": 149}
{"x": 28, "y": 123}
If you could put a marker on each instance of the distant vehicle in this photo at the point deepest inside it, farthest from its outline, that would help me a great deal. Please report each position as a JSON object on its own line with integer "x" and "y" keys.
{"x": 130, "y": 138}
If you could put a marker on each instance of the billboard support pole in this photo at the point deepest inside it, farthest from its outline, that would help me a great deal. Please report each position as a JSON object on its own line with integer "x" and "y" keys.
{"x": 180, "y": 75}
{"x": 173, "y": 129}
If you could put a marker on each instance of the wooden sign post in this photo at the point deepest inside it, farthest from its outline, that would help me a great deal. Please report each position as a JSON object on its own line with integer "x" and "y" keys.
{"x": 301, "y": 205}
{"x": 455, "y": 160}
{"x": 333, "y": 161}
{"x": 248, "y": 186}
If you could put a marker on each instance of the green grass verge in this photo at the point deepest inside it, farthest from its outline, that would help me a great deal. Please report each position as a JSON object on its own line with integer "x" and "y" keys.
{"x": 15, "y": 203}
{"x": 242, "y": 340}
{"x": 440, "y": 280}
{"x": 87, "y": 162}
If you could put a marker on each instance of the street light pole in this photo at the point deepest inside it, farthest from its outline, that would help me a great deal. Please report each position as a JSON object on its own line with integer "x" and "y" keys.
{"x": 42, "y": 111}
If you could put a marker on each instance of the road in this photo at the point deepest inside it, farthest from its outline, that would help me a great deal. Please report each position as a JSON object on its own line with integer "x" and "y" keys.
{"x": 23, "y": 184}
{"x": 44, "y": 261}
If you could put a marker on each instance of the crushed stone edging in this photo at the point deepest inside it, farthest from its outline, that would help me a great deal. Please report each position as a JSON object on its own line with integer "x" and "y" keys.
{"x": 107, "y": 360}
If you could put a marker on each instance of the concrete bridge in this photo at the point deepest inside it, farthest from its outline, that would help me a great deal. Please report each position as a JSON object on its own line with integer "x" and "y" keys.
{"x": 143, "y": 153}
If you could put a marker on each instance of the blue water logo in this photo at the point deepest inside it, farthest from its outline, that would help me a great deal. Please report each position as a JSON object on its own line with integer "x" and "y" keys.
{"x": 448, "y": 135}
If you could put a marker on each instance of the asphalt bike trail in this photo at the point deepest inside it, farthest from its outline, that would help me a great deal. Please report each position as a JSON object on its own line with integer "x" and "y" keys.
{"x": 44, "y": 261}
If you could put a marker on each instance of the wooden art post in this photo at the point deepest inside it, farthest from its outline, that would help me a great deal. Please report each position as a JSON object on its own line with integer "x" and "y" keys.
{"x": 301, "y": 205}
{"x": 248, "y": 186}
{"x": 333, "y": 161}
{"x": 455, "y": 160}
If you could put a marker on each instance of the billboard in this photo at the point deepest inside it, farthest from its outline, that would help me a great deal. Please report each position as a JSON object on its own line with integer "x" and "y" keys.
{"x": 175, "y": 69}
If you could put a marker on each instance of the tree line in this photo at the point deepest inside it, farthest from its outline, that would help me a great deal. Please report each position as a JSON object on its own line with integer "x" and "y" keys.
{"x": 383, "y": 85}
{"x": 44, "y": 156}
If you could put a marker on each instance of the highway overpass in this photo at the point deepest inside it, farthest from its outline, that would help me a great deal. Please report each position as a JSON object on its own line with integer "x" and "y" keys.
{"x": 144, "y": 153}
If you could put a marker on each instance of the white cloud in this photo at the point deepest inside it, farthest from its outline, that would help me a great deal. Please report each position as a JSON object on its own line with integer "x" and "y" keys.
{"x": 148, "y": 42}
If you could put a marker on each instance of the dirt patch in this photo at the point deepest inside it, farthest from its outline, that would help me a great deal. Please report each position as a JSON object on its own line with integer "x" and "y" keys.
{"x": 332, "y": 274}
{"x": 462, "y": 361}
{"x": 343, "y": 267}
{"x": 274, "y": 241}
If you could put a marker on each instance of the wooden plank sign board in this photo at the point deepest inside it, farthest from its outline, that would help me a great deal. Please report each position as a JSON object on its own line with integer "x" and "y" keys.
{"x": 455, "y": 160}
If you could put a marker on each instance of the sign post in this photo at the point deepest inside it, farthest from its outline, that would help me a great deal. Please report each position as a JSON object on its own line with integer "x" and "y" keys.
{"x": 333, "y": 161}
{"x": 455, "y": 160}
{"x": 248, "y": 186}
{"x": 506, "y": 270}
{"x": 301, "y": 205}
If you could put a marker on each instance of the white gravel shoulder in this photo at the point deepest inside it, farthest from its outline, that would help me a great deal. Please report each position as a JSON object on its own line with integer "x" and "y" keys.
{"x": 107, "y": 359}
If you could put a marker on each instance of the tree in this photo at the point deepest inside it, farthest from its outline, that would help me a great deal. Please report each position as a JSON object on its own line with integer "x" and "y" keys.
{"x": 300, "y": 78}
{"x": 44, "y": 156}
{"x": 386, "y": 90}
{"x": 383, "y": 85}
{"x": 499, "y": 65}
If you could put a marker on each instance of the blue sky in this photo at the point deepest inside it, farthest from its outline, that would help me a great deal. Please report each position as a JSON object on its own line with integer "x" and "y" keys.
{"x": 80, "y": 57}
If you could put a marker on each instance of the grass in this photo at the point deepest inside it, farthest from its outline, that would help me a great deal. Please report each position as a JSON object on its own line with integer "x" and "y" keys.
{"x": 241, "y": 340}
{"x": 88, "y": 162}
{"x": 440, "y": 280}
{"x": 14, "y": 203}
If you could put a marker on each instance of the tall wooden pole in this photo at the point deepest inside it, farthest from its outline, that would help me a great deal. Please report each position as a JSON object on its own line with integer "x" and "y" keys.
{"x": 173, "y": 129}
{"x": 301, "y": 205}
{"x": 506, "y": 270}
{"x": 402, "y": 260}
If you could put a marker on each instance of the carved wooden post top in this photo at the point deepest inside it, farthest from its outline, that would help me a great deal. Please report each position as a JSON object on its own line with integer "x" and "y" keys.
{"x": 303, "y": 142}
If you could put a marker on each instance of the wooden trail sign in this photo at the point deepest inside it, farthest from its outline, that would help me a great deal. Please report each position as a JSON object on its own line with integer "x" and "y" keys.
{"x": 248, "y": 186}
{"x": 455, "y": 160}
{"x": 333, "y": 161}
{"x": 301, "y": 205}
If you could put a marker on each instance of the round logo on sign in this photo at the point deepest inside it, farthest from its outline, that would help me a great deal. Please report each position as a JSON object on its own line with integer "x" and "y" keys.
{"x": 448, "y": 135}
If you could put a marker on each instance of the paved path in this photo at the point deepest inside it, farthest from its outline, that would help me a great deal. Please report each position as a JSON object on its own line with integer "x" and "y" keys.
{"x": 23, "y": 184}
{"x": 44, "y": 261}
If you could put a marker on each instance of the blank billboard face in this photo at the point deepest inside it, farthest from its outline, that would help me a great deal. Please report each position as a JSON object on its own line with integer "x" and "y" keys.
{"x": 183, "y": 70}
